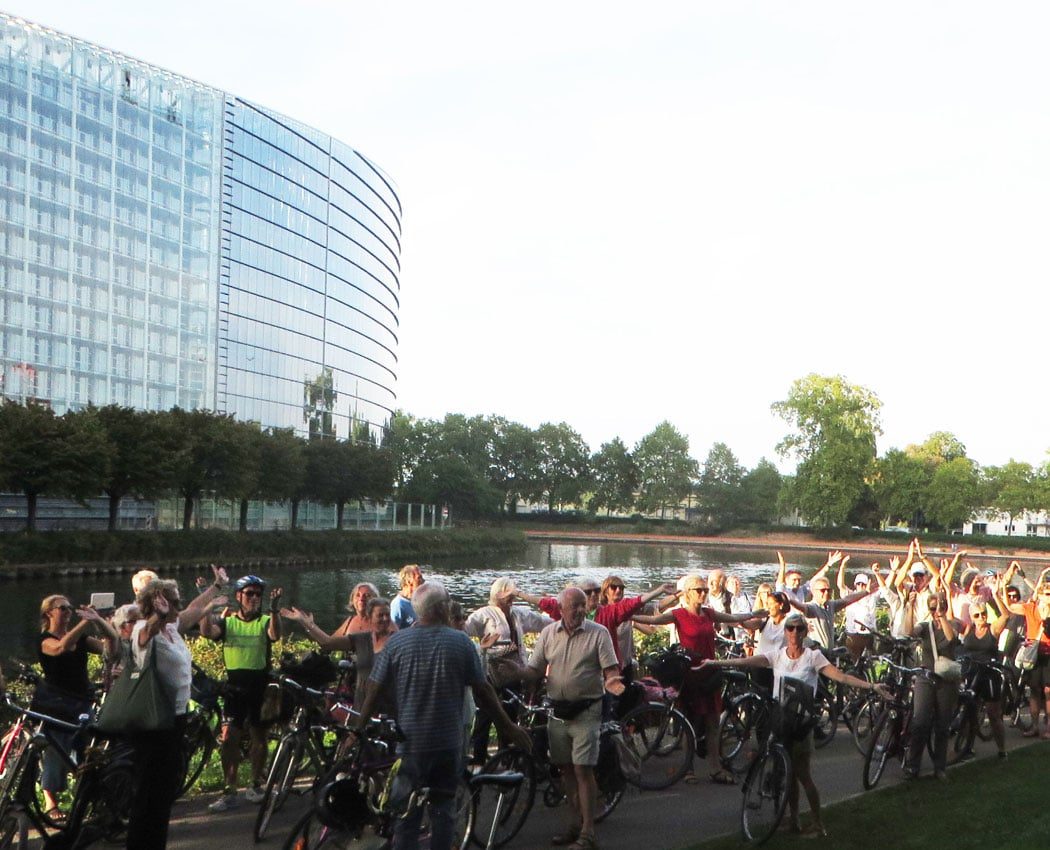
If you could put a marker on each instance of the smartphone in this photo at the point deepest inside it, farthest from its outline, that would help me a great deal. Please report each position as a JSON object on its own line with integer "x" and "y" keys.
{"x": 101, "y": 601}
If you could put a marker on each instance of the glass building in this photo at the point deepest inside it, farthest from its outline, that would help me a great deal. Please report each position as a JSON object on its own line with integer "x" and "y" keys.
{"x": 164, "y": 243}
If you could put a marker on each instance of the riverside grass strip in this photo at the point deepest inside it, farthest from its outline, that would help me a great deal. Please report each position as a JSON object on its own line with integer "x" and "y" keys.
{"x": 986, "y": 804}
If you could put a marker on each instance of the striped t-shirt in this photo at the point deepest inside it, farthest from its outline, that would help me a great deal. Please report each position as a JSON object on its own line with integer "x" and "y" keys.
{"x": 427, "y": 669}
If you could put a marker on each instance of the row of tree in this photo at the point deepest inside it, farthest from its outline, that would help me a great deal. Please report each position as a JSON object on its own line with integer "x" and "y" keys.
{"x": 119, "y": 452}
{"x": 485, "y": 465}
{"x": 841, "y": 480}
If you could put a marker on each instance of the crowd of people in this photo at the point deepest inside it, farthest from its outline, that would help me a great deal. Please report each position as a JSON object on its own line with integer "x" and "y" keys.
{"x": 418, "y": 655}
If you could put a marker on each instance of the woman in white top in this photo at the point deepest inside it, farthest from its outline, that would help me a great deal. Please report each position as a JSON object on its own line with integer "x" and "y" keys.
{"x": 158, "y": 755}
{"x": 795, "y": 661}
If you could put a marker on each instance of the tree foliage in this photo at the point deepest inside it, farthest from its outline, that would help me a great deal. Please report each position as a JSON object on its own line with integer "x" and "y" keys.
{"x": 665, "y": 469}
{"x": 614, "y": 478}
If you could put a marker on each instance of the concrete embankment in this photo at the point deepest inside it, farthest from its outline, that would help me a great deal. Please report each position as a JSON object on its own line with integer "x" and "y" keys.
{"x": 784, "y": 544}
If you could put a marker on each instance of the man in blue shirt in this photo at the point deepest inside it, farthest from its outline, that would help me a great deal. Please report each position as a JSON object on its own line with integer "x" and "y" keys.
{"x": 428, "y": 668}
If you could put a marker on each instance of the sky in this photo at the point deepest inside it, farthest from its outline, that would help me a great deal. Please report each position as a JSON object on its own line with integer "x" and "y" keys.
{"x": 617, "y": 214}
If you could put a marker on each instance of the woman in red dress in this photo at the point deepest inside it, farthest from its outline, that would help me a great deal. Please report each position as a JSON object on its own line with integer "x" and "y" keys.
{"x": 701, "y": 698}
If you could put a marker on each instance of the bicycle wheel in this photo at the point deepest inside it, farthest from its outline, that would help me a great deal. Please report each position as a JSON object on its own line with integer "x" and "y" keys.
{"x": 965, "y": 727}
{"x": 738, "y": 737}
{"x": 201, "y": 738}
{"x": 279, "y": 782}
{"x": 984, "y": 722}
{"x": 608, "y": 799}
{"x": 765, "y": 794}
{"x": 310, "y": 834}
{"x": 664, "y": 741}
{"x": 827, "y": 718}
{"x": 864, "y": 722}
{"x": 17, "y": 774}
{"x": 517, "y": 803}
{"x": 883, "y": 744}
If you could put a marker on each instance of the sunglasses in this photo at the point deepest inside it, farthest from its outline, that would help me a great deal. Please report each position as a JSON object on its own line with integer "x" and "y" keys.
{"x": 254, "y": 594}
{"x": 591, "y": 590}
{"x": 795, "y": 628}
{"x": 617, "y": 587}
{"x": 976, "y": 614}
{"x": 62, "y": 608}
{"x": 698, "y": 589}
{"x": 822, "y": 590}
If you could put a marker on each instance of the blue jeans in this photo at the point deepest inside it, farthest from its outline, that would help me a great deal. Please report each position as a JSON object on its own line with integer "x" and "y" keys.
{"x": 440, "y": 771}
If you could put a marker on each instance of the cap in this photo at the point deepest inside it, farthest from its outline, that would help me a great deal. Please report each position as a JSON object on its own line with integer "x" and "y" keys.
{"x": 918, "y": 570}
{"x": 860, "y": 578}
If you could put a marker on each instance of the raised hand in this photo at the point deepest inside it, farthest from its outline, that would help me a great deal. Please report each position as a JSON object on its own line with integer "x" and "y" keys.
{"x": 86, "y": 612}
{"x": 895, "y": 564}
{"x": 833, "y": 558}
{"x": 161, "y": 605}
{"x": 220, "y": 575}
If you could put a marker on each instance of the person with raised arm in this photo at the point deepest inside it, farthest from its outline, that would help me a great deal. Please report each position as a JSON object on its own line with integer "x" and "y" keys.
{"x": 159, "y": 756}
{"x": 795, "y": 661}
{"x": 822, "y": 610}
{"x": 980, "y": 643}
{"x": 702, "y": 702}
{"x": 1036, "y": 612}
{"x": 860, "y": 615}
{"x": 790, "y": 580}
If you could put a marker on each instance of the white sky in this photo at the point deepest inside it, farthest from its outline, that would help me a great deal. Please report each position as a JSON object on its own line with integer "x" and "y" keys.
{"x": 622, "y": 213}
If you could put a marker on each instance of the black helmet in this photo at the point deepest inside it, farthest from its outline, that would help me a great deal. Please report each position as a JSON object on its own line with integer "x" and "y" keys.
{"x": 342, "y": 805}
{"x": 247, "y": 581}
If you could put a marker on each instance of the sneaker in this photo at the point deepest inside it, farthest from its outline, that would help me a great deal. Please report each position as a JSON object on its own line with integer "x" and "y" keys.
{"x": 223, "y": 804}
{"x": 254, "y": 794}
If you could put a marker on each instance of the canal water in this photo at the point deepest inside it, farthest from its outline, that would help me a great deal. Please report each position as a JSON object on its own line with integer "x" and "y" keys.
{"x": 540, "y": 568}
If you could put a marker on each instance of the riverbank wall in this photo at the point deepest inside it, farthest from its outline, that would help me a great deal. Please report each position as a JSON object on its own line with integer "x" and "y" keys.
{"x": 788, "y": 543}
{"x": 60, "y": 553}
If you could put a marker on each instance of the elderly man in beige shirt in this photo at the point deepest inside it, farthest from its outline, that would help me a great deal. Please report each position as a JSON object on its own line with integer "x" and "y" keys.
{"x": 578, "y": 658}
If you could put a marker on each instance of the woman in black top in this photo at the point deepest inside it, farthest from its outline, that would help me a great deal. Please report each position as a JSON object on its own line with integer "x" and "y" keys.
{"x": 66, "y": 692}
{"x": 980, "y": 643}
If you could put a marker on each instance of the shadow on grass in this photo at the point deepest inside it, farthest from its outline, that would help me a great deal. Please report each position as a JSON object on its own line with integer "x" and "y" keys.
{"x": 986, "y": 804}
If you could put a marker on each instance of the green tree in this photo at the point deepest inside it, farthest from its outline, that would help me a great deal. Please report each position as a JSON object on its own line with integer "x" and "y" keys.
{"x": 899, "y": 487}
{"x": 953, "y": 494}
{"x": 835, "y": 425}
{"x": 614, "y": 476}
{"x": 407, "y": 440}
{"x": 665, "y": 469}
{"x": 340, "y": 471}
{"x": 718, "y": 491}
{"x": 450, "y": 480}
{"x": 760, "y": 489}
{"x": 211, "y": 457}
{"x": 44, "y": 455}
{"x": 139, "y": 456}
{"x": 561, "y": 471}
{"x": 1014, "y": 488}
{"x": 940, "y": 447}
{"x": 514, "y": 460}
{"x": 319, "y": 400}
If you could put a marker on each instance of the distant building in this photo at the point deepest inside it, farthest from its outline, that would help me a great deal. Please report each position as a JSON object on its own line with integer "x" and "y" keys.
{"x": 164, "y": 243}
{"x": 1026, "y": 524}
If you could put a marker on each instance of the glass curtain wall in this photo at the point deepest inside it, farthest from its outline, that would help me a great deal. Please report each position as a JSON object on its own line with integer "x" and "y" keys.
{"x": 109, "y": 223}
{"x": 309, "y": 285}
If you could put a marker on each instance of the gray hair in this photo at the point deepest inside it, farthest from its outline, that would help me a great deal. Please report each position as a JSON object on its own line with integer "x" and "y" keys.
{"x": 141, "y": 579}
{"x": 126, "y": 614}
{"x": 564, "y": 596}
{"x": 501, "y": 587}
{"x": 431, "y": 602}
{"x": 585, "y": 582}
{"x": 357, "y": 587}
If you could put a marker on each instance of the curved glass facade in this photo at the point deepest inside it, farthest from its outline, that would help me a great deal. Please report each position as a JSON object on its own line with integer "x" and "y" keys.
{"x": 164, "y": 243}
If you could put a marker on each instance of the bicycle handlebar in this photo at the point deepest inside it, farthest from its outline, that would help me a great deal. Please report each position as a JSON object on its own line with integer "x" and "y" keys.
{"x": 10, "y": 702}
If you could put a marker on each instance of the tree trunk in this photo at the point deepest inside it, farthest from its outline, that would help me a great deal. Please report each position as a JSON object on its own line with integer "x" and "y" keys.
{"x": 339, "y": 515}
{"x": 244, "y": 515}
{"x": 30, "y": 511}
{"x": 114, "y": 510}
{"x": 187, "y": 513}
{"x": 295, "y": 514}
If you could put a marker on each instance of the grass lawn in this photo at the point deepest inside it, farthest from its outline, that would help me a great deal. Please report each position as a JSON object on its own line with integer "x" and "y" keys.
{"x": 984, "y": 805}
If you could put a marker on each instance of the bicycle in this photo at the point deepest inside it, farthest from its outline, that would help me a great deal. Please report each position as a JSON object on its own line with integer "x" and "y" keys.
{"x": 768, "y": 782}
{"x": 866, "y": 710}
{"x": 102, "y": 798}
{"x": 540, "y": 772}
{"x": 356, "y": 795}
{"x": 303, "y": 748}
{"x": 891, "y": 736}
{"x": 970, "y": 721}
{"x": 203, "y": 726}
{"x": 746, "y": 713}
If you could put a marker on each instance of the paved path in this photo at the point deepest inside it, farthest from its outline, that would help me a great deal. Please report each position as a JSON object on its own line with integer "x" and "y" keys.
{"x": 657, "y": 820}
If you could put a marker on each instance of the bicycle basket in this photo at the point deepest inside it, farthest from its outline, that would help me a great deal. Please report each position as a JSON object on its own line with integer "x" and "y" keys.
{"x": 794, "y": 715}
{"x": 669, "y": 666}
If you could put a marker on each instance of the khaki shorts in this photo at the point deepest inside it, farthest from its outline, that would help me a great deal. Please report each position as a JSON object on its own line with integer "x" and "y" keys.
{"x": 576, "y": 741}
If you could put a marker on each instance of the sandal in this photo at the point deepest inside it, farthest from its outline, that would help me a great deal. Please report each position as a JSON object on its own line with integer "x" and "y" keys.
{"x": 567, "y": 838}
{"x": 722, "y": 777}
{"x": 586, "y": 841}
{"x": 55, "y": 815}
{"x": 690, "y": 778}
